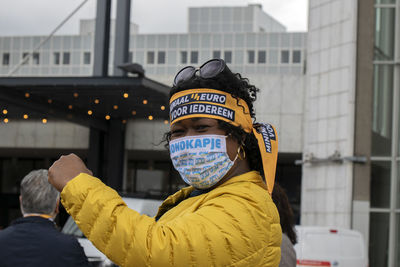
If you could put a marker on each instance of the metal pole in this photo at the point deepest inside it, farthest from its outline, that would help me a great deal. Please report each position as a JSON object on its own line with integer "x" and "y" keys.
{"x": 102, "y": 38}
{"x": 121, "y": 47}
{"x": 115, "y": 154}
{"x": 116, "y": 134}
{"x": 100, "y": 68}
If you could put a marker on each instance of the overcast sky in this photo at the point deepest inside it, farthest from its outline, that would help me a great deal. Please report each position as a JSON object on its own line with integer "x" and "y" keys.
{"x": 40, "y": 17}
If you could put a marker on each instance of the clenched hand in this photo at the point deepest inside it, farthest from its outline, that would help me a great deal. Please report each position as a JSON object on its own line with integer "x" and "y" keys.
{"x": 65, "y": 169}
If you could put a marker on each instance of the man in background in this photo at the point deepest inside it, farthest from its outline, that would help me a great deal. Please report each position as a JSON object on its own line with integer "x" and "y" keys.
{"x": 34, "y": 240}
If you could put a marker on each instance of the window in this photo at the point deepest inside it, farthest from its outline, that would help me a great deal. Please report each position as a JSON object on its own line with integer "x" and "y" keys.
{"x": 155, "y": 178}
{"x": 24, "y": 55}
{"x": 228, "y": 56}
{"x": 194, "y": 57}
{"x": 66, "y": 58}
{"x": 86, "y": 58}
{"x": 382, "y": 110}
{"x": 14, "y": 169}
{"x": 150, "y": 57}
{"x": 216, "y": 54}
{"x": 262, "y": 56}
{"x": 183, "y": 57}
{"x": 384, "y": 218}
{"x": 56, "y": 58}
{"x": 6, "y": 59}
{"x": 250, "y": 57}
{"x": 380, "y": 181}
{"x": 284, "y": 56}
{"x": 296, "y": 56}
{"x": 161, "y": 57}
{"x": 36, "y": 58}
{"x": 379, "y": 234}
{"x": 385, "y": 32}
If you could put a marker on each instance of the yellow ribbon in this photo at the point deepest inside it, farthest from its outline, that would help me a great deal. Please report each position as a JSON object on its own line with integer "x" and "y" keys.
{"x": 216, "y": 104}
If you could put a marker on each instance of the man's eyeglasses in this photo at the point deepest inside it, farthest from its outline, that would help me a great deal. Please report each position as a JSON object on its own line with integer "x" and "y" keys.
{"x": 208, "y": 70}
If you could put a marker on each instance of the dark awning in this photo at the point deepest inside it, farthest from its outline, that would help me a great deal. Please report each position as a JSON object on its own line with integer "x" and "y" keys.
{"x": 83, "y": 100}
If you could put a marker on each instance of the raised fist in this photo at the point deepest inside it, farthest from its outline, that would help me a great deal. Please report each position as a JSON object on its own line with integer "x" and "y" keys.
{"x": 65, "y": 169}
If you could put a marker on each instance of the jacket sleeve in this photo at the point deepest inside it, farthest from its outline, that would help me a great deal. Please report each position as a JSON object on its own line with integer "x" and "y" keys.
{"x": 131, "y": 239}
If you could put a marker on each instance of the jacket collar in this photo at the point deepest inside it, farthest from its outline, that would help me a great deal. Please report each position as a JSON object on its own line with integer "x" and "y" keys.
{"x": 190, "y": 191}
{"x": 33, "y": 219}
{"x": 251, "y": 176}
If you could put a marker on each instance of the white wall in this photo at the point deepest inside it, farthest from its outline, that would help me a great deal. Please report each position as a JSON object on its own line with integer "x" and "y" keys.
{"x": 35, "y": 134}
{"x": 281, "y": 102}
{"x": 265, "y": 22}
{"x": 329, "y": 112}
{"x": 140, "y": 134}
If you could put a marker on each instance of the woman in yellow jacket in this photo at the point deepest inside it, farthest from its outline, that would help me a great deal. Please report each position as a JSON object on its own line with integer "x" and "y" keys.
{"x": 225, "y": 217}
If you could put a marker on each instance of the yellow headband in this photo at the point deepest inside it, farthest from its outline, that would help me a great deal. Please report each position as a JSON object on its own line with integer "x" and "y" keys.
{"x": 215, "y": 104}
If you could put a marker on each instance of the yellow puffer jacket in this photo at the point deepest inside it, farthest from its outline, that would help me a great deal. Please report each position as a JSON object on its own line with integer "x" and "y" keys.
{"x": 235, "y": 224}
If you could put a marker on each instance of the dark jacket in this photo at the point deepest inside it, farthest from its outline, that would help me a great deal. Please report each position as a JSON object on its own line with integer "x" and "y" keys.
{"x": 35, "y": 241}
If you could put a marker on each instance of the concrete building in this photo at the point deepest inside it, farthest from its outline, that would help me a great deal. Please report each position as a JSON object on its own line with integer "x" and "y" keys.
{"x": 352, "y": 115}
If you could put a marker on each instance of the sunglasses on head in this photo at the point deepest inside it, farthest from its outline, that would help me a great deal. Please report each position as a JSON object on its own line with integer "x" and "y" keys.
{"x": 208, "y": 70}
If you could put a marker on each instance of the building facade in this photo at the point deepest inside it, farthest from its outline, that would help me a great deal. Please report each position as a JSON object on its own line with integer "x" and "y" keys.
{"x": 351, "y": 139}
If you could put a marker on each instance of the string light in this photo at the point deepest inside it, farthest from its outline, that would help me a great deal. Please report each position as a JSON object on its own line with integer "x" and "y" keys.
{"x": 125, "y": 95}
{"x": 27, "y": 95}
{"x": 76, "y": 95}
{"x": 5, "y": 120}
{"x": 124, "y": 121}
{"x": 145, "y": 101}
{"x": 25, "y": 116}
{"x": 90, "y": 112}
{"x": 108, "y": 117}
{"x": 115, "y": 107}
{"x": 162, "y": 107}
{"x": 133, "y": 112}
{"x": 150, "y": 117}
{"x": 44, "y": 120}
{"x": 166, "y": 122}
{"x": 69, "y": 106}
{"x": 96, "y": 101}
{"x": 5, "y": 111}
{"x": 49, "y": 101}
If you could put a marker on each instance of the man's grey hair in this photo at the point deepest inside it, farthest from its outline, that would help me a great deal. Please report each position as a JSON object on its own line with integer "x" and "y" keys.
{"x": 38, "y": 195}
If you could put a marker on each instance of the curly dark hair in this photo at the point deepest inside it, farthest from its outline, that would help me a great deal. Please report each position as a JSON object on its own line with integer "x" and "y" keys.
{"x": 238, "y": 87}
{"x": 285, "y": 212}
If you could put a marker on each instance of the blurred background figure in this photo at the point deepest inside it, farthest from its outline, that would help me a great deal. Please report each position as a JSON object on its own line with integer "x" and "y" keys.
{"x": 34, "y": 240}
{"x": 289, "y": 237}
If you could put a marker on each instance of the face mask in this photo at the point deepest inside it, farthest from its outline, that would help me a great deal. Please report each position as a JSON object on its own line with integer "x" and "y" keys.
{"x": 202, "y": 161}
